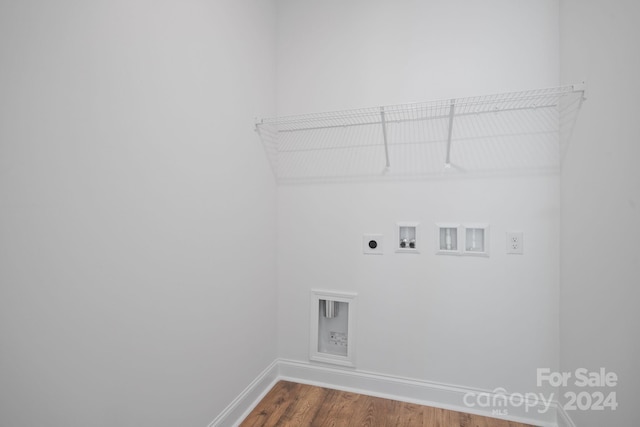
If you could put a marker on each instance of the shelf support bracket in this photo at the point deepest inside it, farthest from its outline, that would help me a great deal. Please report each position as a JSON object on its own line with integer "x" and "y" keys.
{"x": 384, "y": 136}
{"x": 452, "y": 109}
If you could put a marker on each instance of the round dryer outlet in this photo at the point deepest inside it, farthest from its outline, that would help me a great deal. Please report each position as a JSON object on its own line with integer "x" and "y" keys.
{"x": 372, "y": 244}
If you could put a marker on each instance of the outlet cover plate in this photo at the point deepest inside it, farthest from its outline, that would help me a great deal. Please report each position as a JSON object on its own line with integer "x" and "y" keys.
{"x": 515, "y": 242}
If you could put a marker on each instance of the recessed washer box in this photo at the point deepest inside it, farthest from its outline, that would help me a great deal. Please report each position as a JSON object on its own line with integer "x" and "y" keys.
{"x": 372, "y": 244}
{"x": 476, "y": 239}
{"x": 407, "y": 237}
{"x": 462, "y": 239}
{"x": 448, "y": 238}
{"x": 332, "y": 327}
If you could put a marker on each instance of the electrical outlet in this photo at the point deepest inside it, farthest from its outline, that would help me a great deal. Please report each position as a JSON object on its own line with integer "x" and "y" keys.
{"x": 372, "y": 244}
{"x": 515, "y": 242}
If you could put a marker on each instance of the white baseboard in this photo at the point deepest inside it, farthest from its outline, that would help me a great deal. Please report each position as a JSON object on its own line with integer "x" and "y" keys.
{"x": 404, "y": 389}
{"x": 408, "y": 390}
{"x": 242, "y": 405}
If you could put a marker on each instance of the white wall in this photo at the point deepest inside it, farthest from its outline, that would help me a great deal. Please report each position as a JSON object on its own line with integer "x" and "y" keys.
{"x": 481, "y": 322}
{"x": 137, "y": 210}
{"x": 601, "y": 202}
{"x": 334, "y": 55}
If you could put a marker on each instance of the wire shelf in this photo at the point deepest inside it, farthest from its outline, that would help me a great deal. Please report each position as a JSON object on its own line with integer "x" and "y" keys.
{"x": 500, "y": 133}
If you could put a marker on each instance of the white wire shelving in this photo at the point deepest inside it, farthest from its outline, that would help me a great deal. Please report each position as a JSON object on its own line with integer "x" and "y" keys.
{"x": 493, "y": 134}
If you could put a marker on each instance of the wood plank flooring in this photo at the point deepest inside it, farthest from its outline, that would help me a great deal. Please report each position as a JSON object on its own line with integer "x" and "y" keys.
{"x": 291, "y": 404}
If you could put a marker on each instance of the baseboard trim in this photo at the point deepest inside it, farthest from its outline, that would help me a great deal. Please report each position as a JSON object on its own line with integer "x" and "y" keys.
{"x": 242, "y": 405}
{"x": 434, "y": 394}
{"x": 438, "y": 395}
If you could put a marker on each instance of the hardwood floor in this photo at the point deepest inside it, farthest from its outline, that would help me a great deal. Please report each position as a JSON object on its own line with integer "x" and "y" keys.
{"x": 294, "y": 405}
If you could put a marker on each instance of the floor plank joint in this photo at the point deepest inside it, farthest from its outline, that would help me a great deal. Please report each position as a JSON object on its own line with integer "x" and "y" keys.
{"x": 290, "y": 404}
